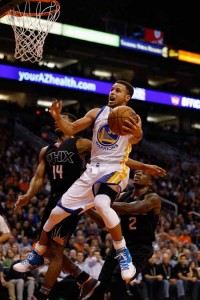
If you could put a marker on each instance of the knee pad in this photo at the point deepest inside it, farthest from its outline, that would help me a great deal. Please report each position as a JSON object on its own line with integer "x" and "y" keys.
{"x": 107, "y": 190}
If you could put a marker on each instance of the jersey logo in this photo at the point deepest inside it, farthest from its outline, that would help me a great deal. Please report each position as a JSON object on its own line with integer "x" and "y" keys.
{"x": 59, "y": 157}
{"x": 106, "y": 137}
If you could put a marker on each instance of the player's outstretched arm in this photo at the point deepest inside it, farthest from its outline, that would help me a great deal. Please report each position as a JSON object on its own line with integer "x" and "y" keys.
{"x": 71, "y": 128}
{"x": 150, "y": 202}
{"x": 35, "y": 183}
{"x": 154, "y": 170}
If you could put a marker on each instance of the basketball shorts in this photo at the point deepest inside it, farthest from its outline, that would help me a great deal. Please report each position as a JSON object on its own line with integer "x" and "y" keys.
{"x": 53, "y": 199}
{"x": 63, "y": 231}
{"x": 81, "y": 194}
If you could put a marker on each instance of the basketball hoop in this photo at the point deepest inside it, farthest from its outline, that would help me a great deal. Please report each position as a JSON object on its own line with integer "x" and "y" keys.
{"x": 31, "y": 22}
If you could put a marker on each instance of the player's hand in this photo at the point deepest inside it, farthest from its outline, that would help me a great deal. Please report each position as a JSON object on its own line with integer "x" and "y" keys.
{"x": 21, "y": 201}
{"x": 55, "y": 109}
{"x": 154, "y": 170}
{"x": 132, "y": 127}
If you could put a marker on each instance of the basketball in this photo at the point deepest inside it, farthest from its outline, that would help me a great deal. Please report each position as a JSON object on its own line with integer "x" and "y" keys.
{"x": 117, "y": 116}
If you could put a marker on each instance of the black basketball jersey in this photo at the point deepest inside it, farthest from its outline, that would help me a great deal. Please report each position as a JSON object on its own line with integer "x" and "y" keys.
{"x": 138, "y": 228}
{"x": 63, "y": 165}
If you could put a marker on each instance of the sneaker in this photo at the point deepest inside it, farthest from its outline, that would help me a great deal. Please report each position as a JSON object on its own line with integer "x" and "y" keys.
{"x": 88, "y": 287}
{"x": 128, "y": 270}
{"x": 32, "y": 261}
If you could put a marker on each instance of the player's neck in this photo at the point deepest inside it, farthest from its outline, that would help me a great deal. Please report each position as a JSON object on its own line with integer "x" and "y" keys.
{"x": 138, "y": 191}
{"x": 61, "y": 139}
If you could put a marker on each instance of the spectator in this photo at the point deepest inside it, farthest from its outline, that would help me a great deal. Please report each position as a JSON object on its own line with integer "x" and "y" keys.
{"x": 197, "y": 259}
{"x": 9, "y": 258}
{"x": 25, "y": 243}
{"x": 181, "y": 271}
{"x": 15, "y": 249}
{"x": 80, "y": 262}
{"x": 8, "y": 245}
{"x": 170, "y": 282}
{"x": 73, "y": 254}
{"x": 193, "y": 270}
{"x": 6, "y": 285}
{"x": 79, "y": 243}
{"x": 95, "y": 264}
{"x": 24, "y": 282}
{"x": 154, "y": 279}
{"x": 185, "y": 238}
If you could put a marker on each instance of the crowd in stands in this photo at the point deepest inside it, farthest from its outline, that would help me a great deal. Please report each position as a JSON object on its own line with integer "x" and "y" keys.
{"x": 177, "y": 246}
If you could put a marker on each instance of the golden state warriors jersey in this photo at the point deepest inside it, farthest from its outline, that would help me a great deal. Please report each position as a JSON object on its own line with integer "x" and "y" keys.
{"x": 108, "y": 147}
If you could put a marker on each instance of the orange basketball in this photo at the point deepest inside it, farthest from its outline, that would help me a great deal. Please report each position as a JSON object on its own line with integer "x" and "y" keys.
{"x": 118, "y": 115}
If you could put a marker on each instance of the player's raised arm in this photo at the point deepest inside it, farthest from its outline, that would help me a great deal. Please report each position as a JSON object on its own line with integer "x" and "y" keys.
{"x": 71, "y": 128}
{"x": 154, "y": 170}
{"x": 35, "y": 183}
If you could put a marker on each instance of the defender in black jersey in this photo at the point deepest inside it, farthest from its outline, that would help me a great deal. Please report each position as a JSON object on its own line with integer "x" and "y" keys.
{"x": 62, "y": 161}
{"x": 139, "y": 211}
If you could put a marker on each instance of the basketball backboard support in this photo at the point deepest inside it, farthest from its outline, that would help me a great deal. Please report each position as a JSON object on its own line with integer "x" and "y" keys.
{"x": 6, "y": 5}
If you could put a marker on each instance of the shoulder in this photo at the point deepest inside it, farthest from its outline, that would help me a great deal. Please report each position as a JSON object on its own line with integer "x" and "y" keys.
{"x": 93, "y": 113}
{"x": 84, "y": 144}
{"x": 42, "y": 153}
{"x": 152, "y": 196}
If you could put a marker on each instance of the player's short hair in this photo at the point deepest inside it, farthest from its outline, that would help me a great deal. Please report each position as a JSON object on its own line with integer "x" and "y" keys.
{"x": 128, "y": 86}
{"x": 71, "y": 117}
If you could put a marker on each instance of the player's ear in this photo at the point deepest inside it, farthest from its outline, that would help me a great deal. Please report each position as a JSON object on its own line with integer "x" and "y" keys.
{"x": 128, "y": 98}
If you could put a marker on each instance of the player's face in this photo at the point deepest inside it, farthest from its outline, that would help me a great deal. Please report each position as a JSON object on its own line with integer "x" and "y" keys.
{"x": 141, "y": 178}
{"x": 118, "y": 95}
{"x": 57, "y": 129}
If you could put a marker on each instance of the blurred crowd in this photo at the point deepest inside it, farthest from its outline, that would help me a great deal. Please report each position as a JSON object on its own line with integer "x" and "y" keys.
{"x": 177, "y": 245}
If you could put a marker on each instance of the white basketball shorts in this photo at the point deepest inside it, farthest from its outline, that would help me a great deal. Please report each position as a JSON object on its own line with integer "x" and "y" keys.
{"x": 81, "y": 193}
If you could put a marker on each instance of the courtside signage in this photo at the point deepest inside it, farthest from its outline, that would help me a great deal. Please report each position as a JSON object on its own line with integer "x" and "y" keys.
{"x": 93, "y": 86}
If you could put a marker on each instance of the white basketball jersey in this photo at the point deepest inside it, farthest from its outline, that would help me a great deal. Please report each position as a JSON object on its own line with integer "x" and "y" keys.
{"x": 108, "y": 147}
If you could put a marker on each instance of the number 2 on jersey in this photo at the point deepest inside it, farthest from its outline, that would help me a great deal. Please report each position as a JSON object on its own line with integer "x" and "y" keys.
{"x": 132, "y": 224}
{"x": 57, "y": 171}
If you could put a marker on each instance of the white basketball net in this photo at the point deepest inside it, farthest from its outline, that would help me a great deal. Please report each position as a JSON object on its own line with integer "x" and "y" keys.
{"x": 31, "y": 22}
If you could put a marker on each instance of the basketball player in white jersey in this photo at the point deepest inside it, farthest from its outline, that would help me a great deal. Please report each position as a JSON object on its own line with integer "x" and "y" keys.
{"x": 104, "y": 178}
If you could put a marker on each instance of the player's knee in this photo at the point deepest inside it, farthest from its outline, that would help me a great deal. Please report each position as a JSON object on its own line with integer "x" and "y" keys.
{"x": 102, "y": 204}
{"x": 57, "y": 215}
{"x": 106, "y": 190}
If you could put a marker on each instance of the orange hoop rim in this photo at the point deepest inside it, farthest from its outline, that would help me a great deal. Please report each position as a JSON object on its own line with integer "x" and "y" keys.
{"x": 15, "y": 13}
